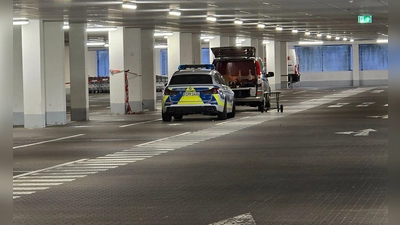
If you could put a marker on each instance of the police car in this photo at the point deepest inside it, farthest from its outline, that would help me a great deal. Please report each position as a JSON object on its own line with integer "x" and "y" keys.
{"x": 197, "y": 89}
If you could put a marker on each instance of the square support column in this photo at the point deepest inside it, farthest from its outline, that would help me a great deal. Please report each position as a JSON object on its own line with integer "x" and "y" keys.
{"x": 54, "y": 73}
{"x": 33, "y": 75}
{"x": 125, "y": 54}
{"x": 148, "y": 75}
{"x": 356, "y": 65}
{"x": 78, "y": 70}
{"x": 18, "y": 90}
{"x": 276, "y": 62}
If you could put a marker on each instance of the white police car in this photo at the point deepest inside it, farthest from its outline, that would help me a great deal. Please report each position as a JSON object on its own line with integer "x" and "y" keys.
{"x": 197, "y": 89}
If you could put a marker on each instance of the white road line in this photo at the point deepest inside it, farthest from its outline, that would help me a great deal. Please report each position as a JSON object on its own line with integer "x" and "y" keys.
{"x": 23, "y": 192}
{"x": 48, "y": 168}
{"x": 162, "y": 139}
{"x": 81, "y": 170}
{"x": 102, "y": 164}
{"x": 14, "y": 197}
{"x": 133, "y": 124}
{"x": 43, "y": 180}
{"x": 51, "y": 177}
{"x": 43, "y": 142}
{"x": 92, "y": 167}
{"x": 36, "y": 184}
{"x": 64, "y": 173}
{"x": 29, "y": 188}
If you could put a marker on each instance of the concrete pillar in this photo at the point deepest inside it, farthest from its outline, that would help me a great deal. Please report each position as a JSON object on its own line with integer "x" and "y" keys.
{"x": 181, "y": 50}
{"x": 78, "y": 72}
{"x": 125, "y": 54}
{"x": 196, "y": 49}
{"x": 256, "y": 43}
{"x": 54, "y": 73}
{"x": 33, "y": 75}
{"x": 18, "y": 90}
{"x": 276, "y": 62}
{"x": 356, "y": 65}
{"x": 157, "y": 58}
{"x": 174, "y": 50}
{"x": 246, "y": 42}
{"x": 148, "y": 75}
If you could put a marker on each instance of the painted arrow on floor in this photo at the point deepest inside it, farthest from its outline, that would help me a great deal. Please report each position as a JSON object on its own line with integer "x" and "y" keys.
{"x": 244, "y": 219}
{"x": 357, "y": 133}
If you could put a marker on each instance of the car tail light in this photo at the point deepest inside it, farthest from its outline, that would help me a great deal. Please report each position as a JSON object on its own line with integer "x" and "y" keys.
{"x": 170, "y": 92}
{"x": 258, "y": 71}
{"x": 211, "y": 91}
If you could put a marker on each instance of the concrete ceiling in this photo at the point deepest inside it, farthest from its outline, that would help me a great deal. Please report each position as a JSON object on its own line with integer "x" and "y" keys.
{"x": 333, "y": 17}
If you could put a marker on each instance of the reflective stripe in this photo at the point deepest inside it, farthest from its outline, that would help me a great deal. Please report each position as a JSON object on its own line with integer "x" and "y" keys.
{"x": 218, "y": 99}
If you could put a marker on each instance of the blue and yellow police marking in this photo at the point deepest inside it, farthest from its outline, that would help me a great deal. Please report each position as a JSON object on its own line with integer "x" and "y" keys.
{"x": 190, "y": 97}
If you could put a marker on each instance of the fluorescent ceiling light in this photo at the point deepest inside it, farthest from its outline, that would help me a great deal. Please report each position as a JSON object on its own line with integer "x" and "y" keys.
{"x": 160, "y": 34}
{"x": 260, "y": 25}
{"x": 238, "y": 22}
{"x": 99, "y": 29}
{"x": 20, "y": 22}
{"x": 206, "y": 40}
{"x": 319, "y": 35}
{"x": 65, "y": 26}
{"x": 173, "y": 12}
{"x": 211, "y": 18}
{"x": 161, "y": 46}
{"x": 106, "y": 45}
{"x": 238, "y": 44}
{"x": 295, "y": 31}
{"x": 95, "y": 43}
{"x": 129, "y": 5}
{"x": 279, "y": 28}
{"x": 328, "y": 36}
{"x": 382, "y": 41}
{"x": 240, "y": 40}
{"x": 337, "y": 38}
{"x": 352, "y": 40}
{"x": 265, "y": 42}
{"x": 310, "y": 42}
{"x": 206, "y": 37}
{"x": 307, "y": 33}
{"x": 344, "y": 39}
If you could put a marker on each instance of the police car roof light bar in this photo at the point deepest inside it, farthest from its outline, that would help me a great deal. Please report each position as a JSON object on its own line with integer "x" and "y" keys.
{"x": 195, "y": 66}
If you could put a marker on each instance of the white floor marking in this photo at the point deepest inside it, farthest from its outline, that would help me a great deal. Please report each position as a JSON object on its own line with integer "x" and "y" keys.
{"x": 338, "y": 105}
{"x": 29, "y": 188}
{"x": 48, "y": 168}
{"x": 43, "y": 142}
{"x": 364, "y": 132}
{"x": 36, "y": 184}
{"x": 377, "y": 91}
{"x": 133, "y": 124}
{"x": 365, "y": 104}
{"x": 57, "y": 175}
{"x": 381, "y": 117}
{"x": 23, "y": 192}
{"x": 162, "y": 139}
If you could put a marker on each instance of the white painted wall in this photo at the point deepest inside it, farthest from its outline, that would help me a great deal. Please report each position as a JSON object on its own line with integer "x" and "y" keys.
{"x": 341, "y": 78}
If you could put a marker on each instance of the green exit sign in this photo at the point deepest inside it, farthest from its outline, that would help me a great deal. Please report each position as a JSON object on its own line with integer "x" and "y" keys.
{"x": 364, "y": 19}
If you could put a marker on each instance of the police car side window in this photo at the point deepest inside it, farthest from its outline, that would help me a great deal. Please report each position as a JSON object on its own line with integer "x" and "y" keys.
{"x": 220, "y": 79}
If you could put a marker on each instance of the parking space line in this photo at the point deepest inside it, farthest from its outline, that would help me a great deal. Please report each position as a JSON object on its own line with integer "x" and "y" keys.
{"x": 133, "y": 124}
{"x": 48, "y": 168}
{"x": 43, "y": 142}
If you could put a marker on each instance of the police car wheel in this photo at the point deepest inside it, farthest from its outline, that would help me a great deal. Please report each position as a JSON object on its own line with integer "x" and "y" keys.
{"x": 223, "y": 115}
{"x": 261, "y": 106}
{"x": 166, "y": 117}
{"x": 232, "y": 114}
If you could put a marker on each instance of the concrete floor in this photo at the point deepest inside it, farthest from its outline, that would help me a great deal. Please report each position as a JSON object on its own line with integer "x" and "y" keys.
{"x": 324, "y": 160}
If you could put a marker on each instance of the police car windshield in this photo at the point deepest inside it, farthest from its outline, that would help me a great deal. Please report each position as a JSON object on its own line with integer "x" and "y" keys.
{"x": 191, "y": 79}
